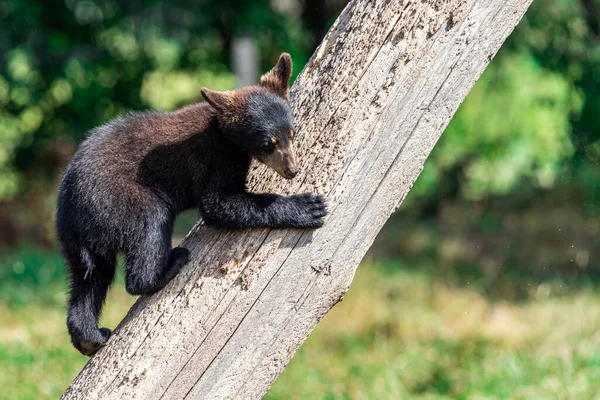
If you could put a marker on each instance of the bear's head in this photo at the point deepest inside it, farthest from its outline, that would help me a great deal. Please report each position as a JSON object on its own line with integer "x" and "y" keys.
{"x": 258, "y": 119}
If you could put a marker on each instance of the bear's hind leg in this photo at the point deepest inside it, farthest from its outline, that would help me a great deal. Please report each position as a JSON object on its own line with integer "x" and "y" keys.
{"x": 90, "y": 280}
{"x": 150, "y": 261}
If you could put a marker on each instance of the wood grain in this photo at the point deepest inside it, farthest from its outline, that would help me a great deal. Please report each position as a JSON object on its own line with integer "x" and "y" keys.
{"x": 369, "y": 106}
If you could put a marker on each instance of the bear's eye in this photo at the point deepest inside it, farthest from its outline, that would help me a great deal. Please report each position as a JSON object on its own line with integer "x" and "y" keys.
{"x": 267, "y": 147}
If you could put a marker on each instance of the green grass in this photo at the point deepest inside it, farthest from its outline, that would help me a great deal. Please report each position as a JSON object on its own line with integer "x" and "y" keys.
{"x": 399, "y": 334}
{"x": 37, "y": 360}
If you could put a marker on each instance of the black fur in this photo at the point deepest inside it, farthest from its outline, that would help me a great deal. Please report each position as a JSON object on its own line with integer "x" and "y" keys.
{"x": 128, "y": 181}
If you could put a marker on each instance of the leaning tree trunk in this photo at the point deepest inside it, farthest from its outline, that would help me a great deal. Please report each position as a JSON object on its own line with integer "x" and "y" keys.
{"x": 369, "y": 107}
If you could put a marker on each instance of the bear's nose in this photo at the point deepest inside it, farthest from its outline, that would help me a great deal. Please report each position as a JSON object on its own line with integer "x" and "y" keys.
{"x": 291, "y": 172}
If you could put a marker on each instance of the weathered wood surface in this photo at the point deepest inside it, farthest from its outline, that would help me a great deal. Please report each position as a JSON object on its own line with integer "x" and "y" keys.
{"x": 369, "y": 107}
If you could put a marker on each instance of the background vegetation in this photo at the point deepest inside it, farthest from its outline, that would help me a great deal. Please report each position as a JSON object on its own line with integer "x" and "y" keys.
{"x": 483, "y": 285}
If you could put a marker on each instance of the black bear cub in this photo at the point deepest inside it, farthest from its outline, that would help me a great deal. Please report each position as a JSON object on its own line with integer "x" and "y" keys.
{"x": 127, "y": 182}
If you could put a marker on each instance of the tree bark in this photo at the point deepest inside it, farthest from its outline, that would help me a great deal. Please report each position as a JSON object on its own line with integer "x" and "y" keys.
{"x": 369, "y": 106}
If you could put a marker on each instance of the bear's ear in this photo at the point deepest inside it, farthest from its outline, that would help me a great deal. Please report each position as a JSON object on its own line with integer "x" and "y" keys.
{"x": 278, "y": 78}
{"x": 220, "y": 101}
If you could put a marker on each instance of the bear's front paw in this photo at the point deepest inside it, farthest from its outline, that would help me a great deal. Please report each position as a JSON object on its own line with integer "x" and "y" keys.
{"x": 311, "y": 210}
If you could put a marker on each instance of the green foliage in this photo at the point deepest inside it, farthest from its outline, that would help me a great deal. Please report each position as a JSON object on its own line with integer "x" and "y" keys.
{"x": 513, "y": 125}
{"x": 532, "y": 116}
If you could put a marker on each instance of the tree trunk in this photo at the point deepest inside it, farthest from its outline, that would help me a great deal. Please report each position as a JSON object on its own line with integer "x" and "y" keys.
{"x": 369, "y": 107}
